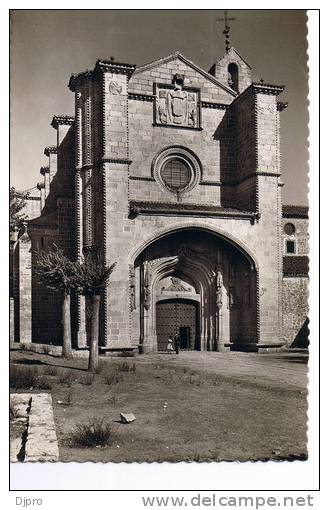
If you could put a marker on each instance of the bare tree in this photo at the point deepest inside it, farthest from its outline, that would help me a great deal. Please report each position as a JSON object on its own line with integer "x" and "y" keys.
{"x": 17, "y": 202}
{"x": 91, "y": 280}
{"x": 55, "y": 271}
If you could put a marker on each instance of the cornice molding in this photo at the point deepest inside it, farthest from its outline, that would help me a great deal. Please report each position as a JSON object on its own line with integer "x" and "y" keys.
{"x": 268, "y": 174}
{"x": 105, "y": 65}
{"x": 77, "y": 78}
{"x": 52, "y": 149}
{"x": 139, "y": 178}
{"x": 267, "y": 88}
{"x": 62, "y": 120}
{"x": 210, "y": 183}
{"x": 214, "y": 105}
{"x": 101, "y": 66}
{"x": 120, "y": 161}
{"x": 282, "y": 106}
{"x": 169, "y": 208}
{"x": 138, "y": 96}
{"x": 257, "y": 88}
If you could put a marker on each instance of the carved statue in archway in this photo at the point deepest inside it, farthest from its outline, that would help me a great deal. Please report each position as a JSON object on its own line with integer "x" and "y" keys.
{"x": 219, "y": 289}
{"x": 147, "y": 292}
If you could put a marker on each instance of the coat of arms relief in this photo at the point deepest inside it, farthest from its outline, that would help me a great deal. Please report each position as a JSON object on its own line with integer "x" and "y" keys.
{"x": 177, "y": 106}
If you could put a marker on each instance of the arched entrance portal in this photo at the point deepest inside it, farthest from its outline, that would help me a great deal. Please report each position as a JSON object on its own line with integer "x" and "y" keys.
{"x": 197, "y": 284}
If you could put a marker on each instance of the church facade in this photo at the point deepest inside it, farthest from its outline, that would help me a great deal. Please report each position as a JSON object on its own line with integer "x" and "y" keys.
{"x": 173, "y": 173}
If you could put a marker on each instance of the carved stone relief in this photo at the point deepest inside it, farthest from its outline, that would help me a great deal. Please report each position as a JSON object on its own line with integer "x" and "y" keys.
{"x": 175, "y": 286}
{"x": 176, "y": 106}
{"x": 271, "y": 108}
{"x": 115, "y": 88}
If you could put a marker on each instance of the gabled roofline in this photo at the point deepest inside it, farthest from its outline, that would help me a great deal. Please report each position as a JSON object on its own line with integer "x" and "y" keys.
{"x": 188, "y": 62}
{"x": 236, "y": 51}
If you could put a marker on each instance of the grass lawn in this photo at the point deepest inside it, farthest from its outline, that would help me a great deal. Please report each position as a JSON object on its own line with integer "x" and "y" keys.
{"x": 185, "y": 410}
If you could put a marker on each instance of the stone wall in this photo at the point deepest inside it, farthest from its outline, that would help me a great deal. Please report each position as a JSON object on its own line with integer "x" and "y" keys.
{"x": 56, "y": 226}
{"x": 32, "y": 208}
{"x": 295, "y": 310}
{"x": 46, "y": 303}
{"x": 300, "y": 236}
{"x": 146, "y": 142}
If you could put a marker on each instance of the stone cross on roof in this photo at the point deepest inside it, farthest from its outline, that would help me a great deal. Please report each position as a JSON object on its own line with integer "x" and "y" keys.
{"x": 226, "y": 30}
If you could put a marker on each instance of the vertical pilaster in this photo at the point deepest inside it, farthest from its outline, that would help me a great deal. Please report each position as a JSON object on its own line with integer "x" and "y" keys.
{"x": 44, "y": 170}
{"x": 51, "y": 152}
{"x": 25, "y": 288}
{"x": 270, "y": 209}
{"x": 116, "y": 178}
{"x": 104, "y": 184}
{"x": 80, "y": 300}
{"x": 86, "y": 166}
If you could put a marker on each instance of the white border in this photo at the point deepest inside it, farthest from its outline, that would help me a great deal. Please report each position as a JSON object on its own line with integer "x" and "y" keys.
{"x": 229, "y": 476}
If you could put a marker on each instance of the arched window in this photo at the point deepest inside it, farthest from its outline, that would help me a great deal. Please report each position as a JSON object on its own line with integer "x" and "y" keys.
{"x": 233, "y": 77}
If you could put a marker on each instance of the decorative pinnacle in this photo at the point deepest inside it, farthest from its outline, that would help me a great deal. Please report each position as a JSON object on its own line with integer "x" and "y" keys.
{"x": 226, "y": 30}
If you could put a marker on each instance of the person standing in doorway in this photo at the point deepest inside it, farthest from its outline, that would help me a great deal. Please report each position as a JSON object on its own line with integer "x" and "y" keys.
{"x": 177, "y": 343}
{"x": 170, "y": 348}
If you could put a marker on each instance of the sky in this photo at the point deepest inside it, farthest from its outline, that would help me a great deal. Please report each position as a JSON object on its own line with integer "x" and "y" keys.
{"x": 47, "y": 46}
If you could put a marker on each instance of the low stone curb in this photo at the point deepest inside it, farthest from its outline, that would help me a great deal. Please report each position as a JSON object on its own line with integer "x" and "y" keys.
{"x": 40, "y": 441}
{"x": 21, "y": 402}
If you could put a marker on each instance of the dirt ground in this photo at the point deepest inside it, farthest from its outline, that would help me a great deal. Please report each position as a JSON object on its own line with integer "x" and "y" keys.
{"x": 191, "y": 407}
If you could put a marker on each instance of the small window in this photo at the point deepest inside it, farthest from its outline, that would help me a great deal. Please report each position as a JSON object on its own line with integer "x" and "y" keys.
{"x": 289, "y": 229}
{"x": 233, "y": 77}
{"x": 291, "y": 246}
{"x": 176, "y": 174}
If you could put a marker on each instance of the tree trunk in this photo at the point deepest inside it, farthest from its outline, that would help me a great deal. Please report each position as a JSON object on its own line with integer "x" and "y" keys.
{"x": 93, "y": 352}
{"x": 66, "y": 318}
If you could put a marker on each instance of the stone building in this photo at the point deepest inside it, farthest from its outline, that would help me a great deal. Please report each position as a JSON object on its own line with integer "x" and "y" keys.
{"x": 174, "y": 173}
